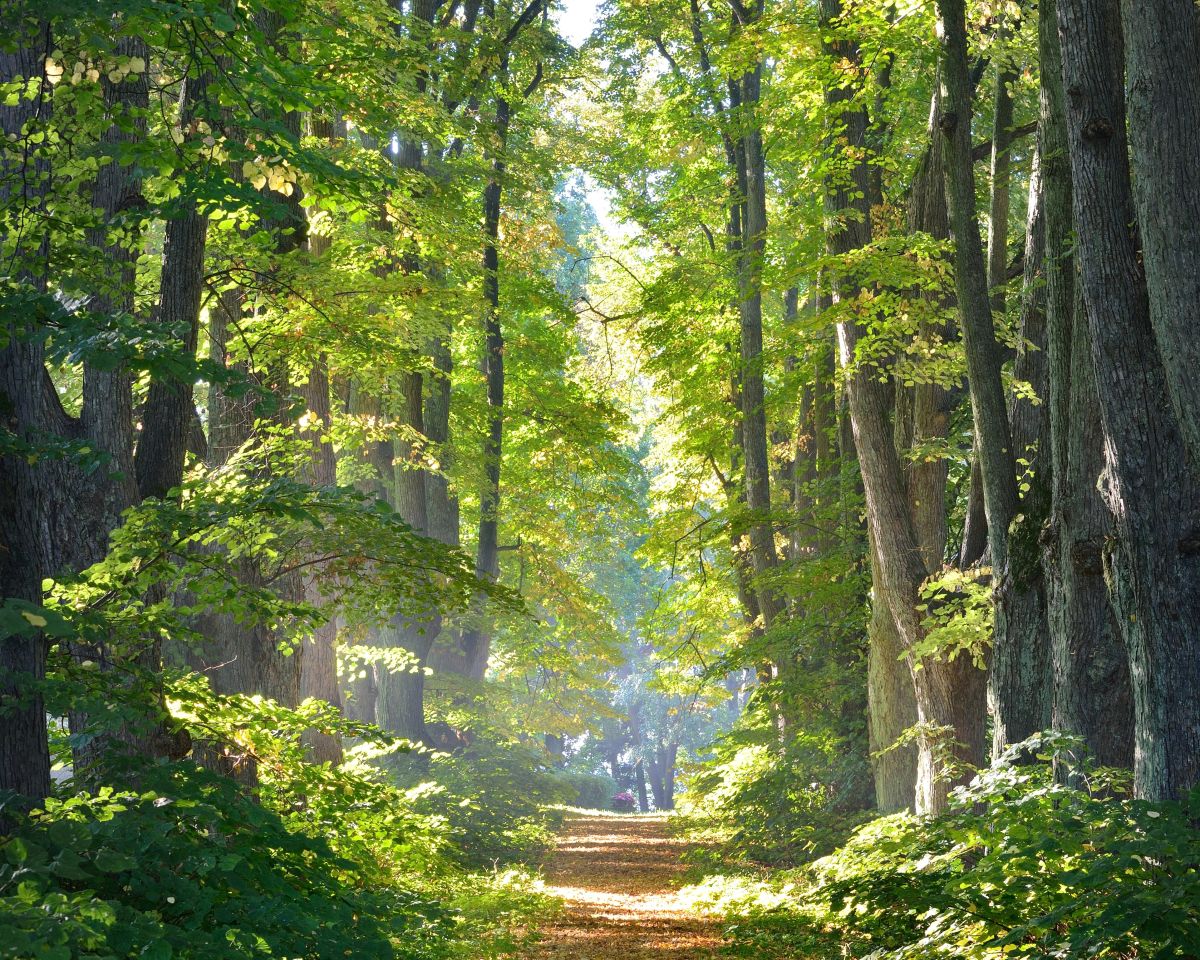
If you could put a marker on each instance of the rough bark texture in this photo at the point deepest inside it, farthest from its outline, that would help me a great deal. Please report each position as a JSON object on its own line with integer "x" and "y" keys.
{"x": 892, "y": 706}
{"x": 1021, "y": 674}
{"x": 167, "y": 420}
{"x": 1152, "y": 565}
{"x": 1162, "y": 60}
{"x": 28, "y": 404}
{"x": 949, "y": 695}
{"x": 1092, "y": 696}
{"x": 1018, "y": 688}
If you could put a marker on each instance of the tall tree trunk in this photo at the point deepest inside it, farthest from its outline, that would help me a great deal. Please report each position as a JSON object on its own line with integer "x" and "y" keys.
{"x": 401, "y": 705}
{"x": 1162, "y": 60}
{"x": 639, "y": 772}
{"x": 318, "y": 665}
{"x": 1153, "y": 563}
{"x": 238, "y": 657}
{"x": 1092, "y": 697}
{"x": 28, "y": 405}
{"x": 752, "y": 250}
{"x": 476, "y": 641}
{"x": 1021, "y": 669}
{"x": 167, "y": 420}
{"x": 892, "y": 705}
{"x": 949, "y": 694}
{"x": 1019, "y": 691}
{"x": 107, "y": 413}
{"x": 441, "y": 503}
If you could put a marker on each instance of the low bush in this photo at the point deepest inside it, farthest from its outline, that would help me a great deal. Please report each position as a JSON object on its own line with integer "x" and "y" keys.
{"x": 495, "y": 800}
{"x": 161, "y": 860}
{"x": 624, "y": 802}
{"x": 592, "y": 791}
{"x": 753, "y": 805}
{"x": 1022, "y": 865}
{"x": 189, "y": 866}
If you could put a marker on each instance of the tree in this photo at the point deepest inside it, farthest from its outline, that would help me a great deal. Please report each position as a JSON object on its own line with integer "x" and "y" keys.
{"x": 1148, "y": 487}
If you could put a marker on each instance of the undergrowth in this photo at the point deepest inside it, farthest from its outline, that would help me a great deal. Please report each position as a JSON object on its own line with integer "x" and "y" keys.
{"x": 303, "y": 861}
{"x": 1023, "y": 864}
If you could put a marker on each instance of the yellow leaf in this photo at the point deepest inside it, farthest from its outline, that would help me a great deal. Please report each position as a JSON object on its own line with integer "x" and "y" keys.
{"x": 34, "y": 619}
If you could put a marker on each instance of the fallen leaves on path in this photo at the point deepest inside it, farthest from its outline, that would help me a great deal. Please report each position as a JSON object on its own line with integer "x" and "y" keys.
{"x": 617, "y": 876}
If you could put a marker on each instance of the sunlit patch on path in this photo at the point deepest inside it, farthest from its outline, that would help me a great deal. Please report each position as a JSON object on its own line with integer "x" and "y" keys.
{"x": 618, "y": 878}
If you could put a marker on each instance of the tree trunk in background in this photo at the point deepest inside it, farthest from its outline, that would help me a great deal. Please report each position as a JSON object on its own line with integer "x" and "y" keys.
{"x": 441, "y": 507}
{"x": 107, "y": 413}
{"x": 1162, "y": 60}
{"x": 753, "y": 394}
{"x": 1019, "y": 680}
{"x": 1021, "y": 670}
{"x": 974, "y": 541}
{"x": 318, "y": 665}
{"x": 921, "y": 414}
{"x": 1091, "y": 671}
{"x": 1001, "y": 195}
{"x": 974, "y": 537}
{"x": 361, "y": 690}
{"x": 29, "y": 405}
{"x": 1153, "y": 563}
{"x": 892, "y": 705}
{"x": 925, "y": 417}
{"x": 476, "y": 642}
{"x": 949, "y": 694}
{"x": 167, "y": 420}
{"x": 401, "y": 704}
{"x": 639, "y": 773}
{"x": 662, "y": 775}
{"x": 252, "y": 658}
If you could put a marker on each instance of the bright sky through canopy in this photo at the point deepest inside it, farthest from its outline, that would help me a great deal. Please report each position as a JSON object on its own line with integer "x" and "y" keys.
{"x": 577, "y": 19}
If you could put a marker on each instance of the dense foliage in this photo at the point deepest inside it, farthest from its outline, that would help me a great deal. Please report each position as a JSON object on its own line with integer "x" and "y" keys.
{"x": 417, "y": 419}
{"x": 1023, "y": 862}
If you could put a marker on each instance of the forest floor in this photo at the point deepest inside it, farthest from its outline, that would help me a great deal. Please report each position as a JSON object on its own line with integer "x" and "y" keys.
{"x": 618, "y": 877}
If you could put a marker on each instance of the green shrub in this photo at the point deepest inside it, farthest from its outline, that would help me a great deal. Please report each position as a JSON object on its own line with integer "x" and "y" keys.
{"x": 771, "y": 809}
{"x": 1022, "y": 864}
{"x": 592, "y": 791}
{"x": 494, "y": 799}
{"x": 189, "y": 866}
{"x": 314, "y": 862}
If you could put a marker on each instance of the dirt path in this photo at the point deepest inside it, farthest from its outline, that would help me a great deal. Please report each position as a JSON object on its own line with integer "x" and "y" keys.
{"x": 618, "y": 877}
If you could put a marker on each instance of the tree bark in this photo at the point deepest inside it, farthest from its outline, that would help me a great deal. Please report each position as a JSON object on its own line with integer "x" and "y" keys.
{"x": 1018, "y": 683}
{"x": 476, "y": 640}
{"x": 1152, "y": 565}
{"x": 1022, "y": 681}
{"x": 401, "y": 704}
{"x": 28, "y": 405}
{"x": 318, "y": 665}
{"x": 1092, "y": 697}
{"x": 949, "y": 694}
{"x": 752, "y": 249}
{"x": 167, "y": 421}
{"x": 1162, "y": 60}
{"x": 892, "y": 706}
